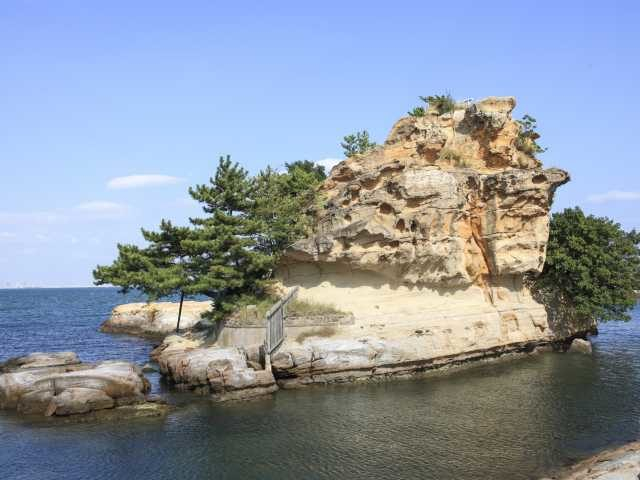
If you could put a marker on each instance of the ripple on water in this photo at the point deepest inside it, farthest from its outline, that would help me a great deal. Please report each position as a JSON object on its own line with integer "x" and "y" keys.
{"x": 506, "y": 420}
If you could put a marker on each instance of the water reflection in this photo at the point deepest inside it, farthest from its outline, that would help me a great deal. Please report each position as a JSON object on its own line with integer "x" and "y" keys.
{"x": 506, "y": 420}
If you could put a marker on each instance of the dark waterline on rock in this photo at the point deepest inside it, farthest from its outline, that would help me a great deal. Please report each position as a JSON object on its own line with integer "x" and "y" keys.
{"x": 507, "y": 420}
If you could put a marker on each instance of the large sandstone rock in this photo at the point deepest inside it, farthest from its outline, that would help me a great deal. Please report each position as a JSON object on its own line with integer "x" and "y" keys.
{"x": 224, "y": 373}
{"x": 177, "y": 344}
{"x": 153, "y": 319}
{"x": 469, "y": 216}
{"x": 427, "y": 240}
{"x": 58, "y": 384}
{"x": 434, "y": 231}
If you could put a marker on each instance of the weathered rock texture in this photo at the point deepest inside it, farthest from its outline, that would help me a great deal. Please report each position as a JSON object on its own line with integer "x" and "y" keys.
{"x": 58, "y": 384}
{"x": 579, "y": 345}
{"x": 427, "y": 240}
{"x": 39, "y": 360}
{"x": 622, "y": 463}
{"x": 224, "y": 373}
{"x": 153, "y": 319}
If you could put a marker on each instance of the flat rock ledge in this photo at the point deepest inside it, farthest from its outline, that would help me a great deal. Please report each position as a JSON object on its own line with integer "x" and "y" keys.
{"x": 224, "y": 373}
{"x": 326, "y": 361}
{"x": 622, "y": 463}
{"x": 60, "y": 385}
{"x": 236, "y": 373}
{"x": 155, "y": 319}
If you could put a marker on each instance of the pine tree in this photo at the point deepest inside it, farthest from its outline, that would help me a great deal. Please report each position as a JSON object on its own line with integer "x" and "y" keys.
{"x": 228, "y": 254}
{"x": 357, "y": 144}
{"x": 284, "y": 204}
{"x": 226, "y": 263}
{"x": 158, "y": 270}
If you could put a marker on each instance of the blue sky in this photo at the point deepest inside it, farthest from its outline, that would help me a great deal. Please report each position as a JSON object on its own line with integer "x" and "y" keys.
{"x": 94, "y": 91}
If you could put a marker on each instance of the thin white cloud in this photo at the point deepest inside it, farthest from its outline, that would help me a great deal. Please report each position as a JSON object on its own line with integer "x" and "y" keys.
{"x": 141, "y": 181}
{"x": 614, "y": 196}
{"x": 102, "y": 209}
{"x": 41, "y": 219}
{"x": 7, "y": 236}
{"x": 329, "y": 163}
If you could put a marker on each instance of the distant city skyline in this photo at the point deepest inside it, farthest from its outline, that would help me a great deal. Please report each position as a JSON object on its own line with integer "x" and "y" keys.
{"x": 22, "y": 285}
{"x": 110, "y": 113}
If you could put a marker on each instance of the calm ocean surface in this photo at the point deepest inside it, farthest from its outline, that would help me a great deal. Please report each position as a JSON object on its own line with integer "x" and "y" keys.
{"x": 508, "y": 420}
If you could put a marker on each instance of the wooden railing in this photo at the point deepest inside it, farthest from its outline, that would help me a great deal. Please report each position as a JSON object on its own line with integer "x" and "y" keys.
{"x": 275, "y": 321}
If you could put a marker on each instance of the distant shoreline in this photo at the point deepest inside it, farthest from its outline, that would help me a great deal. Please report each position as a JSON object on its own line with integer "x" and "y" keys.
{"x": 56, "y": 287}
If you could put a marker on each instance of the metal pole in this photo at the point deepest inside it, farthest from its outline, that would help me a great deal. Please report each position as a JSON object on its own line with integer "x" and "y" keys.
{"x": 180, "y": 311}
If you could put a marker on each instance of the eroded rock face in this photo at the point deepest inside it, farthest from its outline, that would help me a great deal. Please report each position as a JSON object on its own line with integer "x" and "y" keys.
{"x": 448, "y": 201}
{"x": 154, "y": 319}
{"x": 223, "y": 373}
{"x": 58, "y": 384}
{"x": 432, "y": 232}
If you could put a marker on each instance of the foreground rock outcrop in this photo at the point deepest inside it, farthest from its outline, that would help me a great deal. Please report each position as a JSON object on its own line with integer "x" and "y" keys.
{"x": 154, "y": 319}
{"x": 621, "y": 463}
{"x": 428, "y": 240}
{"x": 224, "y": 373}
{"x": 58, "y": 384}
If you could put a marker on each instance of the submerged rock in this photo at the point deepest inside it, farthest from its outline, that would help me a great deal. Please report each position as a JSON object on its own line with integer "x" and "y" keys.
{"x": 154, "y": 319}
{"x": 621, "y": 463}
{"x": 124, "y": 412}
{"x": 578, "y": 345}
{"x": 148, "y": 368}
{"x": 58, "y": 384}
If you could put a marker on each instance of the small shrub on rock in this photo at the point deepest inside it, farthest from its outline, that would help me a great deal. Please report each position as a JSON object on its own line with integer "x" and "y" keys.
{"x": 440, "y": 103}
{"x": 357, "y": 144}
{"x": 417, "y": 112}
{"x": 528, "y": 136}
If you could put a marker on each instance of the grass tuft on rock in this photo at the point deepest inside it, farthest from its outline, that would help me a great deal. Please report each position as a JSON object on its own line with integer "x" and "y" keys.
{"x": 252, "y": 307}
{"x": 310, "y": 308}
